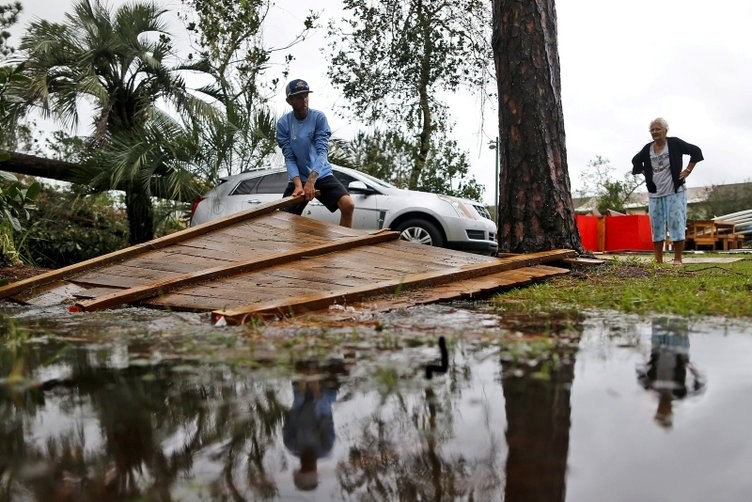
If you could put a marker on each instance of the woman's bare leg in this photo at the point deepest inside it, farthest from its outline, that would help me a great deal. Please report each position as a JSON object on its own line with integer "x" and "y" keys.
{"x": 658, "y": 248}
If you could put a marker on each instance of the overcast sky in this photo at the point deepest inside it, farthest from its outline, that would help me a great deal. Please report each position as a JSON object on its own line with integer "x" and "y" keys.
{"x": 622, "y": 64}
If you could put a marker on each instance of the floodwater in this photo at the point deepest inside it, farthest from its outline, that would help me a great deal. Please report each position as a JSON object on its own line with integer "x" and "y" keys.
{"x": 136, "y": 404}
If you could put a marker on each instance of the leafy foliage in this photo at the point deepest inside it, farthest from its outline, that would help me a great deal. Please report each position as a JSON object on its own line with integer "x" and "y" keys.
{"x": 15, "y": 203}
{"x": 8, "y": 16}
{"x": 383, "y": 154}
{"x": 726, "y": 199}
{"x": 447, "y": 172}
{"x": 387, "y": 155}
{"x": 393, "y": 59}
{"x": 70, "y": 226}
{"x": 15, "y": 200}
{"x": 119, "y": 61}
{"x": 610, "y": 193}
{"x": 16, "y": 133}
{"x": 231, "y": 50}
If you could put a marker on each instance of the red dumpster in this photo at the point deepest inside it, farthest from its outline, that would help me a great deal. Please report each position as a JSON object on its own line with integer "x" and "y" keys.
{"x": 628, "y": 233}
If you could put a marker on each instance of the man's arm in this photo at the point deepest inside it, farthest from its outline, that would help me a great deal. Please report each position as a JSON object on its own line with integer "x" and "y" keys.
{"x": 321, "y": 137}
{"x": 310, "y": 187}
{"x": 283, "y": 140}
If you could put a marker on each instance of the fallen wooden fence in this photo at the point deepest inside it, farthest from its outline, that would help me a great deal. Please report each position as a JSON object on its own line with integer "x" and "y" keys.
{"x": 263, "y": 262}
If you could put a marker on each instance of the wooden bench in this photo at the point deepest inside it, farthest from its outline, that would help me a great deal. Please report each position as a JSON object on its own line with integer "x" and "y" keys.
{"x": 702, "y": 233}
{"x": 732, "y": 241}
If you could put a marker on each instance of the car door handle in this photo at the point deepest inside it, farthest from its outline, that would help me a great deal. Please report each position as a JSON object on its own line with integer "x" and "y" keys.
{"x": 253, "y": 201}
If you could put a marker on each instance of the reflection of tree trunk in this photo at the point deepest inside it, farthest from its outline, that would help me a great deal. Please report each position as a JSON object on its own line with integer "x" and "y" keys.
{"x": 433, "y": 457}
{"x": 140, "y": 214}
{"x": 538, "y": 421}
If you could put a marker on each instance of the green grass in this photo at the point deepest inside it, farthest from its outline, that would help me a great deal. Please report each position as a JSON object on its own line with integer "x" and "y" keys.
{"x": 640, "y": 287}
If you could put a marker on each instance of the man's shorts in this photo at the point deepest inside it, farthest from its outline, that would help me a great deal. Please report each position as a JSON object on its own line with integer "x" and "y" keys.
{"x": 330, "y": 191}
{"x": 668, "y": 213}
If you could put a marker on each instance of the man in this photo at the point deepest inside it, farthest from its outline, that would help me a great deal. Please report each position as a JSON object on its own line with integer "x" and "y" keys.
{"x": 303, "y": 134}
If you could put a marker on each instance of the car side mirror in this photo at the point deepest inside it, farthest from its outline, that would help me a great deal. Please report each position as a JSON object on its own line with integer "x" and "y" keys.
{"x": 359, "y": 187}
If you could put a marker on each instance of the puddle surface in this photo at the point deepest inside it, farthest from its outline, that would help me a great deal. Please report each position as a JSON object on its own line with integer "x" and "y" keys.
{"x": 138, "y": 404}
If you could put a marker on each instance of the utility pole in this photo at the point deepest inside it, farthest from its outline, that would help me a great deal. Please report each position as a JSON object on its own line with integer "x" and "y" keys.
{"x": 494, "y": 145}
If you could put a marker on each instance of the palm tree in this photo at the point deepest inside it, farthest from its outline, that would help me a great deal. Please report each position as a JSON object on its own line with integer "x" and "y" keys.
{"x": 118, "y": 62}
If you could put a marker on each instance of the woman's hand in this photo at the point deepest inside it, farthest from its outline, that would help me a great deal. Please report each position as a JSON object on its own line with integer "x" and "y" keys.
{"x": 687, "y": 171}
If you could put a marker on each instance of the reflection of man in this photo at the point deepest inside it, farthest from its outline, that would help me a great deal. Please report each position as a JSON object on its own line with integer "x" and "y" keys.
{"x": 308, "y": 431}
{"x": 669, "y": 372}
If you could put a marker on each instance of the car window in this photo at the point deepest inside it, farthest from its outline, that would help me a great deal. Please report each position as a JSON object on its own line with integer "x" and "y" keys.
{"x": 345, "y": 179}
{"x": 246, "y": 187}
{"x": 273, "y": 183}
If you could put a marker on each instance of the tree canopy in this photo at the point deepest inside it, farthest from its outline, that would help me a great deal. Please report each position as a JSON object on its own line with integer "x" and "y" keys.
{"x": 8, "y": 16}
{"x": 120, "y": 62}
{"x": 232, "y": 50}
{"x": 393, "y": 60}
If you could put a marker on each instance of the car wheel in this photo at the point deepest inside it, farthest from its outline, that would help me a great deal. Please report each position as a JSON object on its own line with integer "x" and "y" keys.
{"x": 420, "y": 231}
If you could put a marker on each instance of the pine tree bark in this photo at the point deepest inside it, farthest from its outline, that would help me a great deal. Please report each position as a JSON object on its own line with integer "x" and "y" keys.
{"x": 536, "y": 212}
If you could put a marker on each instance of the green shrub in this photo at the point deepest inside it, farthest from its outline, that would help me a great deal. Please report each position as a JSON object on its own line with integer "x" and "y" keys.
{"x": 69, "y": 226}
{"x": 15, "y": 203}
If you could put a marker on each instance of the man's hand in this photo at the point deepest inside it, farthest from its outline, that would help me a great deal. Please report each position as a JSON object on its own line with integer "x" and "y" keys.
{"x": 310, "y": 186}
{"x": 298, "y": 187}
{"x": 309, "y": 190}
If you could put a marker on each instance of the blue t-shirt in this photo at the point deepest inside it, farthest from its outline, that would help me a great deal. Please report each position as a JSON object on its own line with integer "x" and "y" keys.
{"x": 305, "y": 144}
{"x": 309, "y": 424}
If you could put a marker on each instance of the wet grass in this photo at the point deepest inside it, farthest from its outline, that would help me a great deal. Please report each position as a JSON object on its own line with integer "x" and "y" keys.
{"x": 636, "y": 286}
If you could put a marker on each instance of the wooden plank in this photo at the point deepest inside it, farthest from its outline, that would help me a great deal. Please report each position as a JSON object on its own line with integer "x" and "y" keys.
{"x": 321, "y": 300}
{"x": 94, "y": 292}
{"x": 579, "y": 260}
{"x": 65, "y": 272}
{"x": 467, "y": 289}
{"x": 158, "y": 287}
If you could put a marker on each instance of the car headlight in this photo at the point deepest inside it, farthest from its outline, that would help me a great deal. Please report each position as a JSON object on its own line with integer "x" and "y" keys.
{"x": 462, "y": 209}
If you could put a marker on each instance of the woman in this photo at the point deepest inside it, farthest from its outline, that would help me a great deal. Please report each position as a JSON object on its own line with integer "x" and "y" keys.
{"x": 661, "y": 163}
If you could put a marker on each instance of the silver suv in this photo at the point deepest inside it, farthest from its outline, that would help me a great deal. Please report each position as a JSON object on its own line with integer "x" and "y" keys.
{"x": 436, "y": 220}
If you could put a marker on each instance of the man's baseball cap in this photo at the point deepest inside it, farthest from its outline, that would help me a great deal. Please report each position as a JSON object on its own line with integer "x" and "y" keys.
{"x": 297, "y": 86}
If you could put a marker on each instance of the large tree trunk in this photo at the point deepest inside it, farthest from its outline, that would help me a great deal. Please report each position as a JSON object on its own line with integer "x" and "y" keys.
{"x": 41, "y": 167}
{"x": 140, "y": 214}
{"x": 536, "y": 212}
{"x": 31, "y": 165}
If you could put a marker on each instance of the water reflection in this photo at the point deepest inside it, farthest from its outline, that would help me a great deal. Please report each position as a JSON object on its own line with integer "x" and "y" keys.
{"x": 669, "y": 372}
{"x": 525, "y": 411}
{"x": 308, "y": 430}
{"x": 402, "y": 447}
{"x": 537, "y": 396}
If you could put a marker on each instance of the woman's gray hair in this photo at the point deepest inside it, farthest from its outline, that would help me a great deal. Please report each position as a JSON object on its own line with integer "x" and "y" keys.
{"x": 661, "y": 122}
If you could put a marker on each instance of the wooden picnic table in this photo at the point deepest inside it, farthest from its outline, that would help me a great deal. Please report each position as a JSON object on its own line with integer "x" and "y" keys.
{"x": 713, "y": 233}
